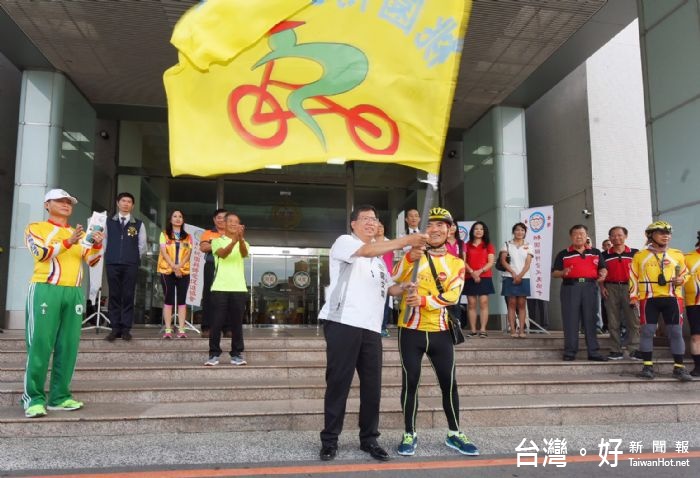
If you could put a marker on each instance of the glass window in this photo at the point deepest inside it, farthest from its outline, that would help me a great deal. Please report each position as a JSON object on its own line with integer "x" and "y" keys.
{"x": 675, "y": 146}
{"x": 196, "y": 198}
{"x": 279, "y": 214}
{"x": 77, "y": 151}
{"x": 672, "y": 81}
{"x": 285, "y": 288}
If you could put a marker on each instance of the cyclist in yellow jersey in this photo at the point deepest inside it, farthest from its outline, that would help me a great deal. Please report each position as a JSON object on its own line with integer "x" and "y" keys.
{"x": 692, "y": 304}
{"x": 657, "y": 275}
{"x": 423, "y": 330}
{"x": 55, "y": 304}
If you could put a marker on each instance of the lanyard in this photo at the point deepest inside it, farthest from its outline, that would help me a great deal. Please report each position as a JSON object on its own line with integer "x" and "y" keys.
{"x": 662, "y": 278}
{"x": 660, "y": 262}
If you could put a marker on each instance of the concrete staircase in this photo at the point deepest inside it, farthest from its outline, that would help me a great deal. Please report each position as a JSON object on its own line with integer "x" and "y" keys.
{"x": 153, "y": 386}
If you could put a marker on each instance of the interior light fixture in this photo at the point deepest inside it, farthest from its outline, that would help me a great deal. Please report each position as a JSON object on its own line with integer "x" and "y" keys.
{"x": 483, "y": 150}
{"x": 75, "y": 136}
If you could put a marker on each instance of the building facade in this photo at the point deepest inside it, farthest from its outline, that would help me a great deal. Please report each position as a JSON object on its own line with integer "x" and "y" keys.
{"x": 83, "y": 109}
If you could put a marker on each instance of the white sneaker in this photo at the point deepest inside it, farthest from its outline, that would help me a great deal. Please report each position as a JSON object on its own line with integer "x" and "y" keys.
{"x": 212, "y": 361}
{"x": 238, "y": 360}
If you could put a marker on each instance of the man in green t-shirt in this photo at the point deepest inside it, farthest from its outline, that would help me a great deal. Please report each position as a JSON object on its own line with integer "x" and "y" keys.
{"x": 228, "y": 291}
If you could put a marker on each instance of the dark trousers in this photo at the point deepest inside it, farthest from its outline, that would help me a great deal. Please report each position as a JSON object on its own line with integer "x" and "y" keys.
{"x": 207, "y": 310}
{"x": 227, "y": 307}
{"x": 579, "y": 304}
{"x": 174, "y": 289}
{"x": 538, "y": 311}
{"x": 122, "y": 287}
{"x": 619, "y": 312}
{"x": 348, "y": 349}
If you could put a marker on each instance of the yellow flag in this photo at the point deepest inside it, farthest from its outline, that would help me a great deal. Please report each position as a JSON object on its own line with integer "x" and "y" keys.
{"x": 282, "y": 82}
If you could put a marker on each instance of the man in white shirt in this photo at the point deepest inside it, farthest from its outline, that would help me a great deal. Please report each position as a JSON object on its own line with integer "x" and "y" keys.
{"x": 352, "y": 317}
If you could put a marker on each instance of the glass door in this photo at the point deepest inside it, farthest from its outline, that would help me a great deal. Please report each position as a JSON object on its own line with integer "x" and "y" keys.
{"x": 286, "y": 286}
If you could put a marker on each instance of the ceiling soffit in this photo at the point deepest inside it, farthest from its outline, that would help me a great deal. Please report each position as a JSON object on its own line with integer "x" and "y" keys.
{"x": 116, "y": 51}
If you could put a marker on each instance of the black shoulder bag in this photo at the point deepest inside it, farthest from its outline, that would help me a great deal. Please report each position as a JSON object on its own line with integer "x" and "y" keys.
{"x": 500, "y": 266}
{"x": 453, "y": 311}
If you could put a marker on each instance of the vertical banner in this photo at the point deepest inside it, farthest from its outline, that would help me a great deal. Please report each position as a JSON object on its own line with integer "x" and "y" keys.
{"x": 194, "y": 293}
{"x": 95, "y": 274}
{"x": 463, "y": 228}
{"x": 540, "y": 231}
{"x": 98, "y": 219}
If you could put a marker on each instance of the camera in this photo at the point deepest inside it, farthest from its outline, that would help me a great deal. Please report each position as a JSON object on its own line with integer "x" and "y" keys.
{"x": 586, "y": 213}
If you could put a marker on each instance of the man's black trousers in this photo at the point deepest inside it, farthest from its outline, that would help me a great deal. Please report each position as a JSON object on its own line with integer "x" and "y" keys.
{"x": 348, "y": 349}
{"x": 122, "y": 288}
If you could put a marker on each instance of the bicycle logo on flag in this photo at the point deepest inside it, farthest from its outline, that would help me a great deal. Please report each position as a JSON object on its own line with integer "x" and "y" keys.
{"x": 344, "y": 68}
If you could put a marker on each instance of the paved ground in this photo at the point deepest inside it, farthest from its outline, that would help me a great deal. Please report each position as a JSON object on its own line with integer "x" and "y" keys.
{"x": 245, "y": 454}
{"x": 435, "y": 467}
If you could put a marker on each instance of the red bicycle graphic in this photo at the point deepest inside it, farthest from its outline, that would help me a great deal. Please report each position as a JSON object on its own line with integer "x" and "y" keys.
{"x": 363, "y": 122}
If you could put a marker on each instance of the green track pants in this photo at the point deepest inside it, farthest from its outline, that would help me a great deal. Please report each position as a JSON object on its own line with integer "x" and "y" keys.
{"x": 54, "y": 317}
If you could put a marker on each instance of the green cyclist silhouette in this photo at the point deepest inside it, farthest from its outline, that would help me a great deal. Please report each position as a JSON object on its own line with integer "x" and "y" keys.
{"x": 344, "y": 68}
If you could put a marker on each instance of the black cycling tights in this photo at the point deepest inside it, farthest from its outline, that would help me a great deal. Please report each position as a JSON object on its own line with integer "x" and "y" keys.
{"x": 413, "y": 344}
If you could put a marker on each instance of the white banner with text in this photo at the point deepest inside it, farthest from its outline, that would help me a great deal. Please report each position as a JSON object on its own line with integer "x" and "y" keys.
{"x": 197, "y": 259}
{"x": 540, "y": 232}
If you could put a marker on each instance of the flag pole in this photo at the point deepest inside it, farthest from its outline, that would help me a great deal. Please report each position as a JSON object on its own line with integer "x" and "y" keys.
{"x": 432, "y": 183}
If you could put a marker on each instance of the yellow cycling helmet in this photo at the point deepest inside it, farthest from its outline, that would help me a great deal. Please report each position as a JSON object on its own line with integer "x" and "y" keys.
{"x": 440, "y": 214}
{"x": 659, "y": 226}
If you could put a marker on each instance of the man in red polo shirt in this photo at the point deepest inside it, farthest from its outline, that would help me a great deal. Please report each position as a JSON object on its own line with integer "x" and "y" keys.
{"x": 615, "y": 291}
{"x": 580, "y": 268}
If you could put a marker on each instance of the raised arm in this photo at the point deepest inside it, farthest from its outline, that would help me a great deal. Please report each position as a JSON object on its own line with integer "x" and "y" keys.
{"x": 378, "y": 248}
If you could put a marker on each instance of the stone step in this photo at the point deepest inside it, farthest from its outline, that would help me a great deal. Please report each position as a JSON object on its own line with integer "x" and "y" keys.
{"x": 14, "y": 372}
{"x": 307, "y": 414}
{"x": 90, "y": 341}
{"x": 163, "y": 354}
{"x": 164, "y": 391}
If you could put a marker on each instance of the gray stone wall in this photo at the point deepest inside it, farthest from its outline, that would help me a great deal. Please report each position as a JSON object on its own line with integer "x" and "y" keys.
{"x": 10, "y": 85}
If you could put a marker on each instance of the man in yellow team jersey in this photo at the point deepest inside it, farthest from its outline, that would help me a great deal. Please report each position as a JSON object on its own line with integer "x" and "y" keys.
{"x": 55, "y": 301}
{"x": 657, "y": 275}
{"x": 692, "y": 304}
{"x": 424, "y": 331}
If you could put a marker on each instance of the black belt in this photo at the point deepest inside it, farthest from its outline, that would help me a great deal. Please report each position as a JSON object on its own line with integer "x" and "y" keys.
{"x": 580, "y": 280}
{"x": 615, "y": 282}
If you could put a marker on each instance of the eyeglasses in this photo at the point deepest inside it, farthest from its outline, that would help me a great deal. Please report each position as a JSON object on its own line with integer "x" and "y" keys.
{"x": 367, "y": 219}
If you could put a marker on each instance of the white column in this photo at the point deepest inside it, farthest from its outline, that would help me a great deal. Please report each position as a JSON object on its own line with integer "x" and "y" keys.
{"x": 37, "y": 166}
{"x": 510, "y": 168}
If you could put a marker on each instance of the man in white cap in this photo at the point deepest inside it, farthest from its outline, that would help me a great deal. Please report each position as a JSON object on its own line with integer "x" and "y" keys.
{"x": 55, "y": 304}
